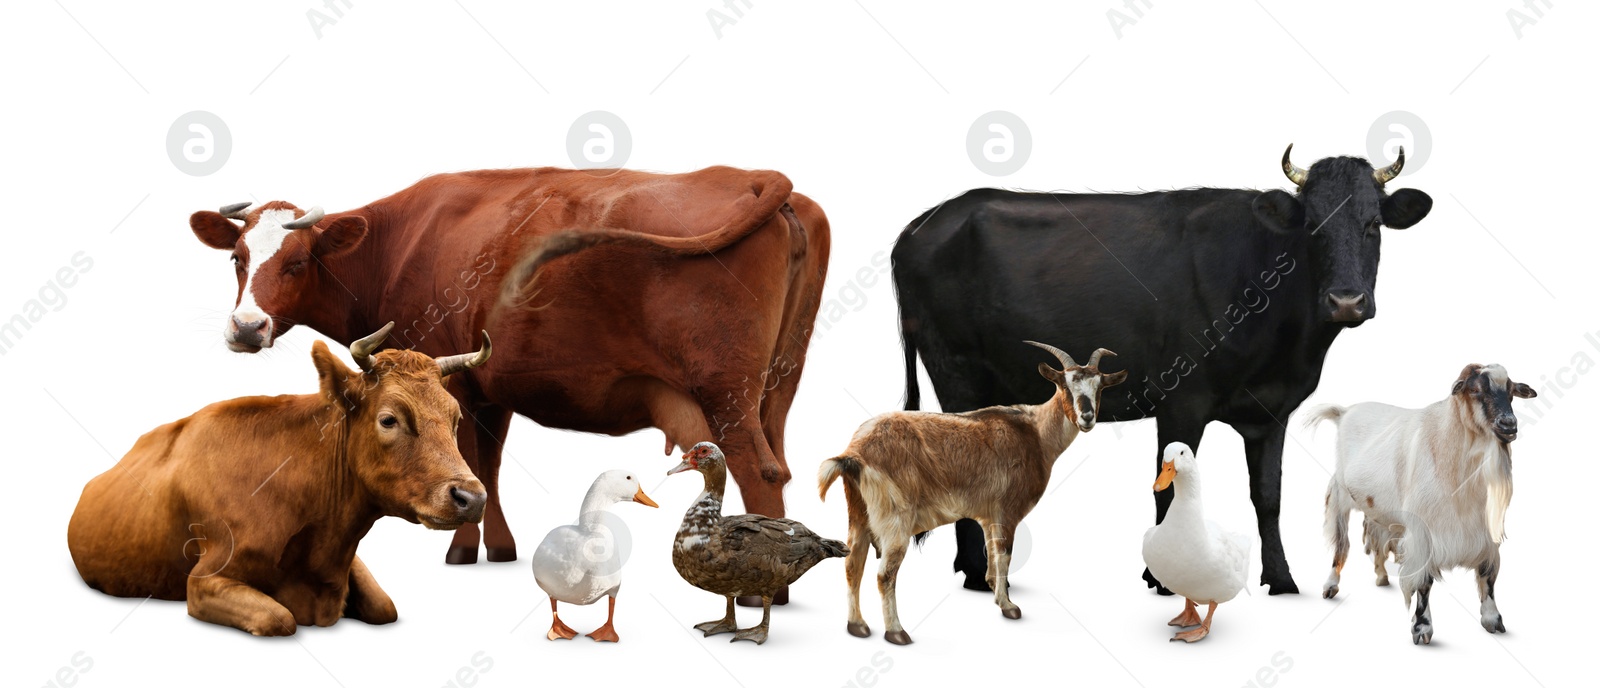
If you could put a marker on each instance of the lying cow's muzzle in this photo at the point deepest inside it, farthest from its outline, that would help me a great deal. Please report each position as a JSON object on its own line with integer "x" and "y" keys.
{"x": 459, "y": 503}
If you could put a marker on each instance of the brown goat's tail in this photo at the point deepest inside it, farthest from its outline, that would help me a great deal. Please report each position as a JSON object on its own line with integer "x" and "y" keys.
{"x": 830, "y": 470}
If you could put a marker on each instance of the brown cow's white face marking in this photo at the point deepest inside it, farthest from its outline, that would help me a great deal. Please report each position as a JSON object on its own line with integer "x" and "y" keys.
{"x": 250, "y": 328}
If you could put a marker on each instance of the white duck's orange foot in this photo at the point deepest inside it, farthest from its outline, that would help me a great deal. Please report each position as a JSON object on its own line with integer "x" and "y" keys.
{"x": 560, "y": 631}
{"x": 1189, "y": 617}
{"x": 604, "y": 633}
{"x": 1192, "y": 636}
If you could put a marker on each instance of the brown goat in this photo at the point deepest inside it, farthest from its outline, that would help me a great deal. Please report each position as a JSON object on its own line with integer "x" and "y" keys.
{"x": 909, "y": 472}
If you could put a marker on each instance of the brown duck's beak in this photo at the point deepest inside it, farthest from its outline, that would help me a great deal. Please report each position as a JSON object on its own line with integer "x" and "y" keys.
{"x": 1169, "y": 471}
{"x": 687, "y": 465}
{"x": 641, "y": 498}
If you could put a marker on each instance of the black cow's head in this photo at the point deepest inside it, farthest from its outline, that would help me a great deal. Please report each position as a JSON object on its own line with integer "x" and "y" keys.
{"x": 1342, "y": 205}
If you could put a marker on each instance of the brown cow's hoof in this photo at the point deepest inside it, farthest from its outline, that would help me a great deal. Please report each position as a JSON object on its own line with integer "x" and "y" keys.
{"x": 500, "y": 554}
{"x": 1012, "y": 613}
{"x": 897, "y": 637}
{"x": 461, "y": 555}
{"x": 755, "y": 600}
{"x": 858, "y": 630}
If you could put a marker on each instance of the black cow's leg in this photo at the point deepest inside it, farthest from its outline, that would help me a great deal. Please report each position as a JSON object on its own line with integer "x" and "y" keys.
{"x": 1263, "y": 454}
{"x": 1168, "y": 430}
{"x": 971, "y": 557}
{"x": 962, "y": 388}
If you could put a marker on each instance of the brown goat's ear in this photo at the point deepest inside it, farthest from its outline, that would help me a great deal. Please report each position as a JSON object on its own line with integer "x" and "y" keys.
{"x": 214, "y": 230}
{"x": 1053, "y": 375}
{"x": 1522, "y": 391}
{"x": 1113, "y": 379}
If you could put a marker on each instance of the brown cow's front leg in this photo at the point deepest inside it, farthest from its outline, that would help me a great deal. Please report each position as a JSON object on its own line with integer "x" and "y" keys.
{"x": 365, "y": 601}
{"x": 464, "y": 544}
{"x": 492, "y": 424}
{"x": 221, "y": 600}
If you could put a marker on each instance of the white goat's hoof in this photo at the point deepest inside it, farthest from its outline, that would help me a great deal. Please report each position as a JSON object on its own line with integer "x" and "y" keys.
{"x": 1422, "y": 634}
{"x": 1329, "y": 590}
{"x": 1383, "y": 581}
{"x": 1494, "y": 624}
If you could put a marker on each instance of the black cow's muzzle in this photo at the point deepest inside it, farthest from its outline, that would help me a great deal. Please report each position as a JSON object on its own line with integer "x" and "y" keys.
{"x": 1348, "y": 307}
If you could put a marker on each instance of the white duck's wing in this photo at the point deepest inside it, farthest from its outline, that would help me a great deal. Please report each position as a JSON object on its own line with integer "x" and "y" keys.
{"x": 1232, "y": 550}
{"x": 559, "y": 563}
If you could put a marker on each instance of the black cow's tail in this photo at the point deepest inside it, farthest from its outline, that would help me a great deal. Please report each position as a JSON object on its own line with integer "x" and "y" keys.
{"x": 913, "y": 390}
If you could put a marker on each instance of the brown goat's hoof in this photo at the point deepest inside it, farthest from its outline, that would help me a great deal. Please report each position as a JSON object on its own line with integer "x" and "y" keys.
{"x": 858, "y": 630}
{"x": 1012, "y": 613}
{"x": 462, "y": 555}
{"x": 755, "y": 600}
{"x": 897, "y": 637}
{"x": 501, "y": 554}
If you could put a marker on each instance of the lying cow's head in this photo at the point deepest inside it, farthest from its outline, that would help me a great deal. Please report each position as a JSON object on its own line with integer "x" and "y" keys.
{"x": 400, "y": 430}
{"x": 1486, "y": 391}
{"x": 1342, "y": 204}
{"x": 1079, "y": 387}
{"x": 277, "y": 255}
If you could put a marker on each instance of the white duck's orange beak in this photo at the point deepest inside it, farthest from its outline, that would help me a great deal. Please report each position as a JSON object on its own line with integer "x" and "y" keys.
{"x": 641, "y": 498}
{"x": 1169, "y": 470}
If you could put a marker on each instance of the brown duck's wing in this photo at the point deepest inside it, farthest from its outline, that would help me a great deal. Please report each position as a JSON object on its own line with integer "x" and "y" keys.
{"x": 780, "y": 541}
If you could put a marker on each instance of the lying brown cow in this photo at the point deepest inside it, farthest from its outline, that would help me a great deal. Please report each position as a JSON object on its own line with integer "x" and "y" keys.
{"x": 252, "y": 509}
{"x": 681, "y": 302}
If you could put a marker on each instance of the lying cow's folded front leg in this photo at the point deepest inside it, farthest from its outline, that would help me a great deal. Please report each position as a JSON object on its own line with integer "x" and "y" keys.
{"x": 229, "y": 602}
{"x": 366, "y": 601}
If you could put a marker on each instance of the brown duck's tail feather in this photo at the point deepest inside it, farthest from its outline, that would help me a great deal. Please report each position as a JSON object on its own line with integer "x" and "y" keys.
{"x": 834, "y": 548}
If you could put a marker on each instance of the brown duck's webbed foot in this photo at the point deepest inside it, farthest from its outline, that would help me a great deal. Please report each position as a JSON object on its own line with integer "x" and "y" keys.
{"x": 759, "y": 633}
{"x": 558, "y": 630}
{"x": 1189, "y": 617}
{"x": 726, "y": 624}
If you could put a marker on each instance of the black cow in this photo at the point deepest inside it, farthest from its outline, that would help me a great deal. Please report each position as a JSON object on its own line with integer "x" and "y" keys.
{"x": 1221, "y": 303}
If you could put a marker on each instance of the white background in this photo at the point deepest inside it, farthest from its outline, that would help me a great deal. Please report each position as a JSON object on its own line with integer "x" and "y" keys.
{"x": 866, "y": 106}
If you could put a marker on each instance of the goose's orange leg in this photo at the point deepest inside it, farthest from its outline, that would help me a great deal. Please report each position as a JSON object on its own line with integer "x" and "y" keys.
{"x": 1201, "y": 632}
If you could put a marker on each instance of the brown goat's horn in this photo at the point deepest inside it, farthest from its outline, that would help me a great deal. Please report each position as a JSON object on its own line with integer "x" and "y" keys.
{"x": 312, "y": 217}
{"x": 1384, "y": 175}
{"x": 1295, "y": 173}
{"x": 1094, "y": 358}
{"x": 361, "y": 349}
{"x": 234, "y": 211}
{"x": 450, "y": 365}
{"x": 1065, "y": 358}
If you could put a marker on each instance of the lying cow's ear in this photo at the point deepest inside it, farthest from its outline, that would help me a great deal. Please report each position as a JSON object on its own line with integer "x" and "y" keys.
{"x": 1052, "y": 375}
{"x": 214, "y": 230}
{"x": 1405, "y": 207}
{"x": 1113, "y": 379}
{"x": 335, "y": 377}
{"x": 342, "y": 236}
{"x": 1522, "y": 391}
{"x": 1278, "y": 210}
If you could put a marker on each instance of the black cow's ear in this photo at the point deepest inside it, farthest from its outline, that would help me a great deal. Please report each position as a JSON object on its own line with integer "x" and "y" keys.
{"x": 1405, "y": 207}
{"x": 1113, "y": 379}
{"x": 1278, "y": 210}
{"x": 342, "y": 236}
{"x": 1052, "y": 375}
{"x": 214, "y": 230}
{"x": 1522, "y": 391}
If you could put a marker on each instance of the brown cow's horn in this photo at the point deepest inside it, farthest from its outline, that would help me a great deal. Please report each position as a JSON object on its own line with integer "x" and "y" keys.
{"x": 312, "y": 217}
{"x": 1384, "y": 175}
{"x": 1065, "y": 358}
{"x": 1295, "y": 173}
{"x": 1094, "y": 358}
{"x": 234, "y": 211}
{"x": 450, "y": 365}
{"x": 361, "y": 349}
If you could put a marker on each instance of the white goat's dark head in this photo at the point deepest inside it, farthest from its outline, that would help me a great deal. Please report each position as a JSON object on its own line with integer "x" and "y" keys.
{"x": 1078, "y": 387}
{"x": 1488, "y": 390}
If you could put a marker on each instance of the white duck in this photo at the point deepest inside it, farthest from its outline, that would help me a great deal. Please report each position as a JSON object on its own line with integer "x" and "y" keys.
{"x": 1191, "y": 556}
{"x": 579, "y": 564}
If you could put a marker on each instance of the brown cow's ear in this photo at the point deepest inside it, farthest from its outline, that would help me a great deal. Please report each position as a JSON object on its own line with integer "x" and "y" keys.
{"x": 335, "y": 377}
{"x": 1113, "y": 379}
{"x": 341, "y": 237}
{"x": 1052, "y": 375}
{"x": 1522, "y": 391}
{"x": 214, "y": 230}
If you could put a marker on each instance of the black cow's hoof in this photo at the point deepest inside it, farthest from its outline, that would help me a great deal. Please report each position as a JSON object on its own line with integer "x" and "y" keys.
{"x": 461, "y": 555}
{"x": 502, "y": 553}
{"x": 898, "y": 637}
{"x": 977, "y": 583}
{"x": 858, "y": 630}
{"x": 755, "y": 600}
{"x": 1285, "y": 586}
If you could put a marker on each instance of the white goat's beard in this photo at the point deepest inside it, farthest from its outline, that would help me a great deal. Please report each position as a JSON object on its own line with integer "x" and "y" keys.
{"x": 1498, "y": 482}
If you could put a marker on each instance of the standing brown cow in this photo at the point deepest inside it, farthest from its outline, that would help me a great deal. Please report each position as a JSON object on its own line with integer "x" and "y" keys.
{"x": 251, "y": 509}
{"x": 687, "y": 307}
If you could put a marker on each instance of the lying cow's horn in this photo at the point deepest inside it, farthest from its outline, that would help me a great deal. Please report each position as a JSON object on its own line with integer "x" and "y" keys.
{"x": 450, "y": 365}
{"x": 234, "y": 211}
{"x": 1295, "y": 173}
{"x": 1065, "y": 358}
{"x": 361, "y": 349}
{"x": 1384, "y": 175}
{"x": 312, "y": 216}
{"x": 1094, "y": 359}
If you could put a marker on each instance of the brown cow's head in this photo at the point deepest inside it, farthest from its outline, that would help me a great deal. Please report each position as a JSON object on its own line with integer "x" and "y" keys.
{"x": 1079, "y": 387}
{"x": 278, "y": 253}
{"x": 400, "y": 430}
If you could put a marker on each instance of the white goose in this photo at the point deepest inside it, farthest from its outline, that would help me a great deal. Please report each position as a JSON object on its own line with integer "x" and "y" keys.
{"x": 1191, "y": 556}
{"x": 579, "y": 564}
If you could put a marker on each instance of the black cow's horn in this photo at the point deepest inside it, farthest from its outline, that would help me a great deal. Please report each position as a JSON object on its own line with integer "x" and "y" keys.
{"x": 1384, "y": 175}
{"x": 1094, "y": 358}
{"x": 1295, "y": 173}
{"x": 234, "y": 211}
{"x": 450, "y": 365}
{"x": 1065, "y": 358}
{"x": 312, "y": 217}
{"x": 361, "y": 349}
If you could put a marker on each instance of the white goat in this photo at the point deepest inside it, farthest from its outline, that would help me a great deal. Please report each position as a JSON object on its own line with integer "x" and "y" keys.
{"x": 1433, "y": 483}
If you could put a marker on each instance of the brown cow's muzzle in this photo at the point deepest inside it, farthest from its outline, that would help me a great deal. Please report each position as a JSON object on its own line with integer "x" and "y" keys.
{"x": 455, "y": 504}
